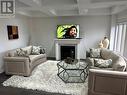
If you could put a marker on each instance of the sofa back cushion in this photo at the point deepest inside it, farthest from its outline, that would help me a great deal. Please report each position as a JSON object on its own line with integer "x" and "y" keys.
{"x": 28, "y": 49}
{"x": 119, "y": 64}
{"x": 95, "y": 53}
{"x": 108, "y": 54}
{"x": 105, "y": 54}
{"x": 15, "y": 52}
{"x": 11, "y": 53}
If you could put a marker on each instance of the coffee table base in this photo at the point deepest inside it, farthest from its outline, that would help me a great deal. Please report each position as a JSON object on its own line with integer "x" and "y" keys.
{"x": 73, "y": 75}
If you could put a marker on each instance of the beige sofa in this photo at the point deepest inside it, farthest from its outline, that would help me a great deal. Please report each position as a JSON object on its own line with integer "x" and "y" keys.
{"x": 118, "y": 61}
{"x": 22, "y": 65}
{"x": 109, "y": 81}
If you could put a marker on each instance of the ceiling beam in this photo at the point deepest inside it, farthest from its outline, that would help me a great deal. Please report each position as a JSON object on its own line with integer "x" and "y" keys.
{"x": 117, "y": 9}
{"x": 36, "y": 5}
{"x": 81, "y": 8}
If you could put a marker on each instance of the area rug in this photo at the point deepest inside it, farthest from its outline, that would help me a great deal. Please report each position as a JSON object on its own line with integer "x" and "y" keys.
{"x": 44, "y": 78}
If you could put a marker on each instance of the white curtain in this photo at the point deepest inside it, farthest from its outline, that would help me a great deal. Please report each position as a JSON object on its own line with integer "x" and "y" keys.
{"x": 117, "y": 37}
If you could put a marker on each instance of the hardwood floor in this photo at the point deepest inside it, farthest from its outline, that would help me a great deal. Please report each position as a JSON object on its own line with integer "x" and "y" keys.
{"x": 19, "y": 91}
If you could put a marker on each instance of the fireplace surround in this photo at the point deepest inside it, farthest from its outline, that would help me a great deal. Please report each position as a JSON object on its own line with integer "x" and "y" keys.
{"x": 66, "y": 42}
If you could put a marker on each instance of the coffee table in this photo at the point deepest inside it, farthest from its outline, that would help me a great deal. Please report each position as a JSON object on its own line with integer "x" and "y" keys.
{"x": 72, "y": 73}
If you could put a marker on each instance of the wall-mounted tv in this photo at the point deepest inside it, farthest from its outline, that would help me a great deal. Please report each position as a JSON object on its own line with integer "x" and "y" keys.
{"x": 68, "y": 31}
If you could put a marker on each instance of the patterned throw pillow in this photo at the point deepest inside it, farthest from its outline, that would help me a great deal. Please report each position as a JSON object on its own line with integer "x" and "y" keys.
{"x": 42, "y": 50}
{"x": 36, "y": 50}
{"x": 95, "y": 53}
{"x": 103, "y": 63}
{"x": 21, "y": 52}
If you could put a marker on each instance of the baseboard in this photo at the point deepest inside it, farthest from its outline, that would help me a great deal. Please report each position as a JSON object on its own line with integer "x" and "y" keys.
{"x": 51, "y": 58}
{"x": 1, "y": 71}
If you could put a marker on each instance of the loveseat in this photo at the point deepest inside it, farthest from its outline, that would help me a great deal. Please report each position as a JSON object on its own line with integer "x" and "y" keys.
{"x": 107, "y": 80}
{"x": 106, "y": 59}
{"x": 22, "y": 61}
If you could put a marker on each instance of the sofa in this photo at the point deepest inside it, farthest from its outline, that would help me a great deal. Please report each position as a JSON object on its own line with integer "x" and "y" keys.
{"x": 105, "y": 59}
{"x": 22, "y": 61}
{"x": 107, "y": 82}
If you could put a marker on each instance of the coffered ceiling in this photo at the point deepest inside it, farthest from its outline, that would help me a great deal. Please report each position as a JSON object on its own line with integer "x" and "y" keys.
{"x": 49, "y": 8}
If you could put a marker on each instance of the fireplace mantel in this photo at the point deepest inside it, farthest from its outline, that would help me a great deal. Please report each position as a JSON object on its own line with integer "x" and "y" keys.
{"x": 66, "y": 42}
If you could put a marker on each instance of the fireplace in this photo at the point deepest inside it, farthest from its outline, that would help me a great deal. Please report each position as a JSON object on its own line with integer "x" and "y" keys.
{"x": 62, "y": 45}
{"x": 67, "y": 51}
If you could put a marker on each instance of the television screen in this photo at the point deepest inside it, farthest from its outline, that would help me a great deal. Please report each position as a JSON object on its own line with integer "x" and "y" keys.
{"x": 68, "y": 31}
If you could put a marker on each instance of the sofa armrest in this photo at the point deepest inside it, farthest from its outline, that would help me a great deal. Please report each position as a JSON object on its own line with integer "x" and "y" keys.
{"x": 10, "y": 59}
{"x": 17, "y": 65}
{"x": 104, "y": 82}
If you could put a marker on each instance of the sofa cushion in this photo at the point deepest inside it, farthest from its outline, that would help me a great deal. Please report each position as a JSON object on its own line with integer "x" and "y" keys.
{"x": 95, "y": 53}
{"x": 36, "y": 50}
{"x": 103, "y": 63}
{"x": 107, "y": 54}
{"x": 21, "y": 52}
{"x": 28, "y": 49}
{"x": 119, "y": 64}
{"x": 91, "y": 60}
{"x": 11, "y": 53}
{"x": 36, "y": 57}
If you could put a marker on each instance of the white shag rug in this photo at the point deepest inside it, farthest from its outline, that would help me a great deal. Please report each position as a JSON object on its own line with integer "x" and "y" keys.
{"x": 44, "y": 78}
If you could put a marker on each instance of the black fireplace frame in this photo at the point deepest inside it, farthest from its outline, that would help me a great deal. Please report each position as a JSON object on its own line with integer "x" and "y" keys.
{"x": 75, "y": 51}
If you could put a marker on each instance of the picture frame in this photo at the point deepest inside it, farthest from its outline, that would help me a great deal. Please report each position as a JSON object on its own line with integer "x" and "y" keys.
{"x": 12, "y": 32}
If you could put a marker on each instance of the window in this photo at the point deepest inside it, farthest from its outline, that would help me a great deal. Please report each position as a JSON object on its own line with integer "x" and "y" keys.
{"x": 118, "y": 37}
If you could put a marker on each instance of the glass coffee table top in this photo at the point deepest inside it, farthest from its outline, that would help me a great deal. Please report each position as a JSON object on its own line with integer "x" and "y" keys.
{"x": 73, "y": 73}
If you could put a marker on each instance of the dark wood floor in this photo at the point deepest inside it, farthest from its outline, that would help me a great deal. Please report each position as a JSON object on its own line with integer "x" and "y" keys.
{"x": 19, "y": 91}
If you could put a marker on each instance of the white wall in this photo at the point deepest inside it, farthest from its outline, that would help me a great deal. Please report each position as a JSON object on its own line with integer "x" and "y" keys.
{"x": 92, "y": 30}
{"x": 112, "y": 34}
{"x": 6, "y": 44}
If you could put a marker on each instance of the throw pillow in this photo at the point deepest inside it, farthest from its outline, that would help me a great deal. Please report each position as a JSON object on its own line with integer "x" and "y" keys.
{"x": 95, "y": 53}
{"x": 42, "y": 50}
{"x": 28, "y": 49}
{"x": 36, "y": 50}
{"x": 103, "y": 63}
{"x": 21, "y": 52}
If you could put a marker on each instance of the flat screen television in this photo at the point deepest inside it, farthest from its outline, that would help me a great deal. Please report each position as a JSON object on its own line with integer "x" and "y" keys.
{"x": 68, "y": 31}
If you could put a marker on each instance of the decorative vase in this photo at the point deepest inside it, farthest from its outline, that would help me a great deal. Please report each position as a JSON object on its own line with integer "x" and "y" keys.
{"x": 100, "y": 45}
{"x": 105, "y": 42}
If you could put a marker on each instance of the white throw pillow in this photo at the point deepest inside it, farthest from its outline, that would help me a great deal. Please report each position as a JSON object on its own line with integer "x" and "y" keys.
{"x": 28, "y": 49}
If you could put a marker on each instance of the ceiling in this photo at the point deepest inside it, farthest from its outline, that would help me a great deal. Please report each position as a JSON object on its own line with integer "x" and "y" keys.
{"x": 50, "y": 8}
